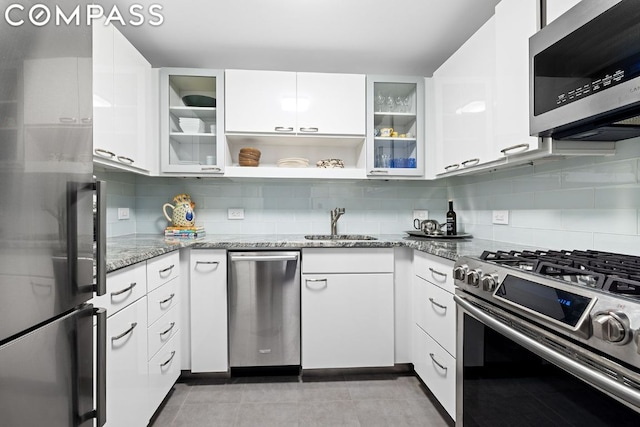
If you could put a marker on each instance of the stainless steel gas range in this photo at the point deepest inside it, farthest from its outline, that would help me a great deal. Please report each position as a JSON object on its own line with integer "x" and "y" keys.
{"x": 548, "y": 338}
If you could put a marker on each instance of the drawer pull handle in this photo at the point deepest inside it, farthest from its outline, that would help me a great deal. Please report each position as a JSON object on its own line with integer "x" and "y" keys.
{"x": 208, "y": 262}
{"x": 173, "y": 353}
{"x": 312, "y": 129}
{"x": 378, "y": 171}
{"x": 166, "y": 269}
{"x": 125, "y": 333}
{"x": 104, "y": 153}
{"x": 214, "y": 169}
{"x": 444, "y": 307}
{"x": 471, "y": 162}
{"x": 168, "y": 329}
{"x": 452, "y": 167}
{"x": 444, "y": 368}
{"x": 283, "y": 129}
{"x": 164, "y": 301}
{"x": 306, "y": 283}
{"x": 438, "y": 272}
{"x": 524, "y": 147}
{"x": 68, "y": 120}
{"x": 127, "y": 289}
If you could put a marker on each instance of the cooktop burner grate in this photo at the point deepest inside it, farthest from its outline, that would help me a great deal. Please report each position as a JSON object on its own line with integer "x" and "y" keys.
{"x": 616, "y": 273}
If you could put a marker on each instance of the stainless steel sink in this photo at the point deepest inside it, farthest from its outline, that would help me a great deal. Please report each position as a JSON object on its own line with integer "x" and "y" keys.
{"x": 339, "y": 237}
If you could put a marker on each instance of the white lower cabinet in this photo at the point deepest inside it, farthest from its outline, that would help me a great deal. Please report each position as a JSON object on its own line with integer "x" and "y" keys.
{"x": 127, "y": 377}
{"x": 434, "y": 329}
{"x": 347, "y": 318}
{"x": 164, "y": 370}
{"x": 209, "y": 343}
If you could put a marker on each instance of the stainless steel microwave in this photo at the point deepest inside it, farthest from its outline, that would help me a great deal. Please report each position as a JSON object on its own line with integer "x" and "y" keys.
{"x": 585, "y": 73}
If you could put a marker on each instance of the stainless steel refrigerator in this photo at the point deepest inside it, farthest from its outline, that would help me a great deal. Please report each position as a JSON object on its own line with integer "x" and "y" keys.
{"x": 47, "y": 360}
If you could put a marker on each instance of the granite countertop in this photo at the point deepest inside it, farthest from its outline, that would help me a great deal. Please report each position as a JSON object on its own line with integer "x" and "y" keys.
{"x": 126, "y": 250}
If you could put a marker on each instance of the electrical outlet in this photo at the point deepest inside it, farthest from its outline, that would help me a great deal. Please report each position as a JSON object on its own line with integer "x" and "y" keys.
{"x": 420, "y": 214}
{"x": 500, "y": 217}
{"x": 123, "y": 213}
{"x": 235, "y": 213}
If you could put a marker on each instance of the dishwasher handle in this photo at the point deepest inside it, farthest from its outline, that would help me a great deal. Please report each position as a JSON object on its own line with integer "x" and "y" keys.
{"x": 268, "y": 258}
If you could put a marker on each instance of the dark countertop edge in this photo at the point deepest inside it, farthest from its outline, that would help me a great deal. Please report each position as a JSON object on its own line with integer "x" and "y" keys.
{"x": 123, "y": 251}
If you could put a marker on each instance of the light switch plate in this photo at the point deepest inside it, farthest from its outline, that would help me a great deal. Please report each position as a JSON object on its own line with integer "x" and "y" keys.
{"x": 420, "y": 214}
{"x": 235, "y": 213}
{"x": 500, "y": 217}
{"x": 123, "y": 213}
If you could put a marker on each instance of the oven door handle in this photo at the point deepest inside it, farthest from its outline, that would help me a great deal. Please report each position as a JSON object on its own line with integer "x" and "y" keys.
{"x": 599, "y": 380}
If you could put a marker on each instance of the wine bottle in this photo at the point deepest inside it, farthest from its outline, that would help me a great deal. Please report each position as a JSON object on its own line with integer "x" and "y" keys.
{"x": 451, "y": 220}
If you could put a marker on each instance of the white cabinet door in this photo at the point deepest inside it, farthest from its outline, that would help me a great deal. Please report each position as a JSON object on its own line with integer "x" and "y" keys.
{"x": 515, "y": 23}
{"x": 127, "y": 375}
{"x": 131, "y": 71}
{"x": 164, "y": 370}
{"x": 260, "y": 101}
{"x": 464, "y": 99}
{"x": 103, "y": 91}
{"x": 347, "y": 320}
{"x": 209, "y": 348}
{"x": 331, "y": 104}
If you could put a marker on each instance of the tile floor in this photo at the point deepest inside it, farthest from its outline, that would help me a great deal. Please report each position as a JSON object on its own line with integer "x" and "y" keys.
{"x": 340, "y": 400}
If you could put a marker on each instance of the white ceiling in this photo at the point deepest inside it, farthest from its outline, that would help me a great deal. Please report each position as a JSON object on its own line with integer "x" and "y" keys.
{"x": 403, "y": 37}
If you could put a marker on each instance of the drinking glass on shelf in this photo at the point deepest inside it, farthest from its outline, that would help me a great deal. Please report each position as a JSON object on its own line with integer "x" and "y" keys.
{"x": 380, "y": 102}
{"x": 406, "y": 101}
{"x": 399, "y": 104}
{"x": 390, "y": 103}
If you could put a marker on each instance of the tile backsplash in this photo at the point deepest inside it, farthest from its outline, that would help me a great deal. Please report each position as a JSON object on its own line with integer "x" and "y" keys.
{"x": 575, "y": 203}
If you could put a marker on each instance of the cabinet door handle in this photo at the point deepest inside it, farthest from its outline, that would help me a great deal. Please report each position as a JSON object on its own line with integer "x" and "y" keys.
{"x": 437, "y": 272}
{"x": 173, "y": 353}
{"x": 524, "y": 146}
{"x": 307, "y": 281}
{"x": 378, "y": 172}
{"x": 441, "y": 366}
{"x": 166, "y": 300}
{"x": 68, "y": 120}
{"x": 165, "y": 332}
{"x": 283, "y": 129}
{"x": 452, "y": 167}
{"x": 122, "y": 291}
{"x": 214, "y": 169}
{"x": 166, "y": 269}
{"x": 125, "y": 159}
{"x": 125, "y": 333}
{"x": 470, "y": 162}
{"x": 104, "y": 153}
{"x": 444, "y": 307}
{"x": 309, "y": 129}
{"x": 86, "y": 120}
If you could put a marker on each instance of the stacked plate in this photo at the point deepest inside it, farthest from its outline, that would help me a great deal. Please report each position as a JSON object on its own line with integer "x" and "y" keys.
{"x": 191, "y": 125}
{"x": 293, "y": 162}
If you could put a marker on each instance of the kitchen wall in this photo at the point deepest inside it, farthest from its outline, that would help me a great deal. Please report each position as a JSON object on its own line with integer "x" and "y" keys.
{"x": 573, "y": 203}
{"x": 578, "y": 203}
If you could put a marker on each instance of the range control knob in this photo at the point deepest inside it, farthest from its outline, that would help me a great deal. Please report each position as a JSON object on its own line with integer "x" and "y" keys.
{"x": 611, "y": 326}
{"x": 489, "y": 282}
{"x": 473, "y": 277}
{"x": 460, "y": 272}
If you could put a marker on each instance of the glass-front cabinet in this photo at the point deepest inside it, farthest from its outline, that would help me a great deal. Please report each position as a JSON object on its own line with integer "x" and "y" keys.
{"x": 191, "y": 121}
{"x": 395, "y": 126}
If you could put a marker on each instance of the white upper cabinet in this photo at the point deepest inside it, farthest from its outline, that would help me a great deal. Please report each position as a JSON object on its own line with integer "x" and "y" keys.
{"x": 260, "y": 101}
{"x": 268, "y": 102}
{"x": 515, "y": 22}
{"x": 463, "y": 91}
{"x": 331, "y": 104}
{"x": 120, "y": 101}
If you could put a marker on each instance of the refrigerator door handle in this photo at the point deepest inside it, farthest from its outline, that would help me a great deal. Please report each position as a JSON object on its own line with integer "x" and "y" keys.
{"x": 101, "y": 238}
{"x": 101, "y": 371}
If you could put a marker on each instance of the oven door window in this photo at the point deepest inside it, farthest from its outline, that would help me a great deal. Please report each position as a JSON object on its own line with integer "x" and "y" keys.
{"x": 503, "y": 384}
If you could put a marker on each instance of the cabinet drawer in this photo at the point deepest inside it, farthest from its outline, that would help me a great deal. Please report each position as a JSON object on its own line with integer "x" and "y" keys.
{"x": 163, "y": 330}
{"x": 162, "y": 300}
{"x": 162, "y": 269}
{"x": 436, "y": 368}
{"x": 123, "y": 287}
{"x": 436, "y": 270}
{"x": 435, "y": 312}
{"x": 347, "y": 260}
{"x": 164, "y": 370}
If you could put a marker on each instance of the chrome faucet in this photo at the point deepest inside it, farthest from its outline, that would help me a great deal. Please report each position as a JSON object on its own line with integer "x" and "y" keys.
{"x": 335, "y": 215}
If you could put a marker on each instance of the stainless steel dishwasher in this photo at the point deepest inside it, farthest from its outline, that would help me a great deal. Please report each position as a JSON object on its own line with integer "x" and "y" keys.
{"x": 264, "y": 308}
